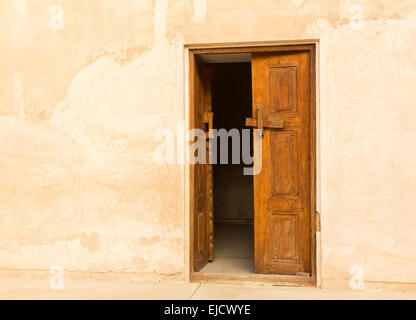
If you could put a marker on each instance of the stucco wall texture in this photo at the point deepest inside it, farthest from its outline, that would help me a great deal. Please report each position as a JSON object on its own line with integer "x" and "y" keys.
{"x": 83, "y": 89}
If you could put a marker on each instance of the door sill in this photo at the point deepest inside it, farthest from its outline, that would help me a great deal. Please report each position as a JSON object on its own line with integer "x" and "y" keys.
{"x": 253, "y": 279}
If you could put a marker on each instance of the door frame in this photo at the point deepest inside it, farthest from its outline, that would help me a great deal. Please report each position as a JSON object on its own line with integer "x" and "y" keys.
{"x": 192, "y": 50}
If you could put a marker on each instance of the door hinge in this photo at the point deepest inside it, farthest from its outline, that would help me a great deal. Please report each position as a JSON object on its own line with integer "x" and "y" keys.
{"x": 208, "y": 119}
{"x": 303, "y": 274}
{"x": 318, "y": 222}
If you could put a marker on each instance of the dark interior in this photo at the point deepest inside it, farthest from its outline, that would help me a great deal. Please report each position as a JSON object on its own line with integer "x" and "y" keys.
{"x": 233, "y": 191}
{"x": 231, "y": 104}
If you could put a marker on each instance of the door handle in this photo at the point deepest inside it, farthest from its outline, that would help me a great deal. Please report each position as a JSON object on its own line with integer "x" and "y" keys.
{"x": 261, "y": 123}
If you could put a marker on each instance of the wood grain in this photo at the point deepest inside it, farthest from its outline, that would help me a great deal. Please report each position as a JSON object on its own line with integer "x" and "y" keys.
{"x": 202, "y": 195}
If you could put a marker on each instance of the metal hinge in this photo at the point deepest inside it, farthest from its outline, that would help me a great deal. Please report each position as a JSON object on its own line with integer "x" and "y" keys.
{"x": 303, "y": 274}
{"x": 318, "y": 222}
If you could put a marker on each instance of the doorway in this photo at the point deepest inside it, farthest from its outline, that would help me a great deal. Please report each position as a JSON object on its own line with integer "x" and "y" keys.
{"x": 255, "y": 227}
{"x": 233, "y": 199}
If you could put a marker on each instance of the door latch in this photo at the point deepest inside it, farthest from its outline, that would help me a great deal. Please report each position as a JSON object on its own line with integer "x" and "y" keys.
{"x": 261, "y": 123}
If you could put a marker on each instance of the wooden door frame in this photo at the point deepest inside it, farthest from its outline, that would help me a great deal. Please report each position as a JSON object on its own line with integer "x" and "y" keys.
{"x": 192, "y": 50}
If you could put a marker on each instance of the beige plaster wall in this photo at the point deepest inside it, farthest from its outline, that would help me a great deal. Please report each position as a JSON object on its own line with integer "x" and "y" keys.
{"x": 79, "y": 106}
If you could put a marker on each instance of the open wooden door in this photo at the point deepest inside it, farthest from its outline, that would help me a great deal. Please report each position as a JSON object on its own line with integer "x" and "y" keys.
{"x": 202, "y": 204}
{"x": 282, "y": 190}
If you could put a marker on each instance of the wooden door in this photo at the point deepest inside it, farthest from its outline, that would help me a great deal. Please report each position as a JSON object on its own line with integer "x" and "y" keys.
{"x": 282, "y": 190}
{"x": 202, "y": 204}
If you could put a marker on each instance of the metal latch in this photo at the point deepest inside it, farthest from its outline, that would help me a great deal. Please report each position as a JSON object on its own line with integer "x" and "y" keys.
{"x": 261, "y": 123}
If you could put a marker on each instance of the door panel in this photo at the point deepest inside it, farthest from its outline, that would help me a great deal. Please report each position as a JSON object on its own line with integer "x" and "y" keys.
{"x": 281, "y": 84}
{"x": 203, "y": 215}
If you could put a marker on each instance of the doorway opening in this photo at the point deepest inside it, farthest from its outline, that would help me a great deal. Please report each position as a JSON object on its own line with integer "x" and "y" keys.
{"x": 261, "y": 227}
{"x": 232, "y": 190}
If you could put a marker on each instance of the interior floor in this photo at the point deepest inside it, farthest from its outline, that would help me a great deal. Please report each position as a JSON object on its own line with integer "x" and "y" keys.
{"x": 233, "y": 249}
